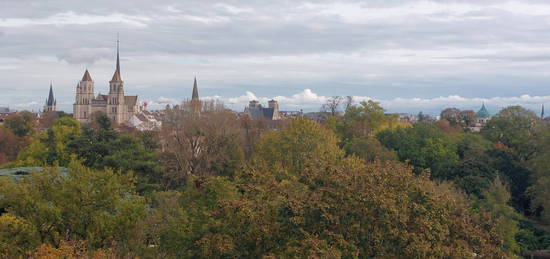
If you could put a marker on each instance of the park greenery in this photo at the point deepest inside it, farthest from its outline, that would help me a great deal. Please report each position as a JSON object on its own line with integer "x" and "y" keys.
{"x": 360, "y": 184}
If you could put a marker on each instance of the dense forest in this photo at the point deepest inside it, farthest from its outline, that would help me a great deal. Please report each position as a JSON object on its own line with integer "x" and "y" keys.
{"x": 214, "y": 185}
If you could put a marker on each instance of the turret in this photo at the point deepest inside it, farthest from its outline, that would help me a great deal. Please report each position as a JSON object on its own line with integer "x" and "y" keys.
{"x": 275, "y": 106}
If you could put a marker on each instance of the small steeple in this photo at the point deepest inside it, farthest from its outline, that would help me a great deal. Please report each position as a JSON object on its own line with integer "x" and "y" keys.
{"x": 86, "y": 76}
{"x": 195, "y": 96}
{"x": 542, "y": 113}
{"x": 116, "y": 75}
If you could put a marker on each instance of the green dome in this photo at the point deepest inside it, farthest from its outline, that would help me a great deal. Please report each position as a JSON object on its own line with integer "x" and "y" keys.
{"x": 483, "y": 113}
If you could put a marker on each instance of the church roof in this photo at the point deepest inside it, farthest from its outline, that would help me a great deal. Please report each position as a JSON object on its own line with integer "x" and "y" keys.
{"x": 130, "y": 100}
{"x": 86, "y": 76}
{"x": 483, "y": 113}
{"x": 116, "y": 77}
{"x": 101, "y": 96}
{"x": 195, "y": 95}
{"x": 260, "y": 112}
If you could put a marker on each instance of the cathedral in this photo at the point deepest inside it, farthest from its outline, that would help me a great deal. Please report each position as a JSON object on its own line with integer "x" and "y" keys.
{"x": 117, "y": 106}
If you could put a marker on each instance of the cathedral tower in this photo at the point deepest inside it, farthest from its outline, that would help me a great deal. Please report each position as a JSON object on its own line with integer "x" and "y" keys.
{"x": 115, "y": 102}
{"x": 84, "y": 97}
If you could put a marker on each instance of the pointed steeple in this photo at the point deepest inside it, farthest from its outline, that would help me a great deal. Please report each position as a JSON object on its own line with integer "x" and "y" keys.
{"x": 50, "y": 101}
{"x": 117, "y": 53}
{"x": 116, "y": 75}
{"x": 195, "y": 96}
{"x": 86, "y": 76}
{"x": 542, "y": 113}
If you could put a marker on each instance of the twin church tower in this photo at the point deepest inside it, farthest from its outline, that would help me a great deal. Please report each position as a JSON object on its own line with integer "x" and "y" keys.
{"x": 117, "y": 106}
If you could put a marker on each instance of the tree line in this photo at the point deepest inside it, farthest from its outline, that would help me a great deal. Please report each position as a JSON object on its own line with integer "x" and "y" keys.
{"x": 217, "y": 185}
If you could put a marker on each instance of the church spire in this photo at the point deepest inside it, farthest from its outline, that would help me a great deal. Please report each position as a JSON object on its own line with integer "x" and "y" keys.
{"x": 50, "y": 100}
{"x": 117, "y": 53}
{"x": 195, "y": 96}
{"x": 116, "y": 75}
{"x": 542, "y": 113}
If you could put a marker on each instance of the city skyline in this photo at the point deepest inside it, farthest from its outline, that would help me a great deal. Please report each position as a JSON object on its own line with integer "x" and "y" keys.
{"x": 410, "y": 55}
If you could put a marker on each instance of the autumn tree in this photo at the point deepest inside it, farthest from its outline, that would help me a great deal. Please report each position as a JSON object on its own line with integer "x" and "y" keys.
{"x": 301, "y": 143}
{"x": 458, "y": 118}
{"x": 21, "y": 124}
{"x": 318, "y": 213}
{"x": 10, "y": 145}
{"x": 200, "y": 144}
{"x": 99, "y": 207}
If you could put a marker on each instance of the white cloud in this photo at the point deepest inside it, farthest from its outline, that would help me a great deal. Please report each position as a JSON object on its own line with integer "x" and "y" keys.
{"x": 85, "y": 55}
{"x": 72, "y": 18}
{"x": 448, "y": 11}
{"x": 310, "y": 101}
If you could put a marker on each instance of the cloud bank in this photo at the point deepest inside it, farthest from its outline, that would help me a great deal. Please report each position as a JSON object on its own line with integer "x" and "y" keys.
{"x": 309, "y": 101}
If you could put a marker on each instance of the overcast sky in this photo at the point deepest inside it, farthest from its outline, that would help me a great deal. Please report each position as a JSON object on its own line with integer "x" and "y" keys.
{"x": 409, "y": 55}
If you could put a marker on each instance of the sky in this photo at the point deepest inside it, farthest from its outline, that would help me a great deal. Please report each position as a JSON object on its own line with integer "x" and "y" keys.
{"x": 410, "y": 56}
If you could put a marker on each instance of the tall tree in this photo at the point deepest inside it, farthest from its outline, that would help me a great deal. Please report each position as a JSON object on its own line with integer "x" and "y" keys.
{"x": 208, "y": 144}
{"x": 496, "y": 199}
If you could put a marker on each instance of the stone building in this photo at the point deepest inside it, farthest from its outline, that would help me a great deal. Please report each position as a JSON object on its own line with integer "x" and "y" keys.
{"x": 117, "y": 106}
{"x": 256, "y": 111}
{"x": 50, "y": 105}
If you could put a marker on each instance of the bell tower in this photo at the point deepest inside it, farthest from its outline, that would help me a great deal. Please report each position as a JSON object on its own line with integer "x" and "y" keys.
{"x": 84, "y": 97}
{"x": 115, "y": 104}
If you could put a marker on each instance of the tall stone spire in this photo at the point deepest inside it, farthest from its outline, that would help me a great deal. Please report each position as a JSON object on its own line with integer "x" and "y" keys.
{"x": 116, "y": 75}
{"x": 542, "y": 113}
{"x": 195, "y": 96}
{"x": 117, "y": 53}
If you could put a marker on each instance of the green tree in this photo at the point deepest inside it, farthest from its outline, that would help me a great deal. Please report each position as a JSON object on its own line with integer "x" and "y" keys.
{"x": 495, "y": 201}
{"x": 369, "y": 148}
{"x": 102, "y": 147}
{"x": 515, "y": 127}
{"x": 50, "y": 147}
{"x": 97, "y": 206}
{"x": 424, "y": 146}
{"x": 290, "y": 150}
